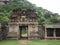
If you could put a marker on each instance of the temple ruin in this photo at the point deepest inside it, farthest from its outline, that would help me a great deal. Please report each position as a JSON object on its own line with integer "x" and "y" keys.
{"x": 23, "y": 20}
{"x": 23, "y": 23}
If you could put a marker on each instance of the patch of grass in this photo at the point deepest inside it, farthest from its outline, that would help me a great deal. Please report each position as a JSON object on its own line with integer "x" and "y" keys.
{"x": 32, "y": 42}
{"x": 8, "y": 42}
{"x": 44, "y": 42}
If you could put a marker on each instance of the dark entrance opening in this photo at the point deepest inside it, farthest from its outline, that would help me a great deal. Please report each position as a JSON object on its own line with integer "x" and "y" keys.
{"x": 57, "y": 32}
{"x": 50, "y": 32}
{"x": 23, "y": 32}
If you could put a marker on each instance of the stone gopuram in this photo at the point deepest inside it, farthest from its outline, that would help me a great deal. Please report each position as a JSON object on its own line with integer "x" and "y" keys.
{"x": 23, "y": 19}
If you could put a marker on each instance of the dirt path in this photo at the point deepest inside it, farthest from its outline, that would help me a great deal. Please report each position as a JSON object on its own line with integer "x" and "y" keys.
{"x": 23, "y": 42}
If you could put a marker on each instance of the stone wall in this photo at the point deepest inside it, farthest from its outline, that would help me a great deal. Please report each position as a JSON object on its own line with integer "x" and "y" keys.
{"x": 41, "y": 31}
{"x": 4, "y": 30}
{"x": 33, "y": 31}
{"x": 13, "y": 31}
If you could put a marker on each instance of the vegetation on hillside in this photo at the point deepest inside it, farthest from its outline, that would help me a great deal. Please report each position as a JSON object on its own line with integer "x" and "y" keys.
{"x": 44, "y": 16}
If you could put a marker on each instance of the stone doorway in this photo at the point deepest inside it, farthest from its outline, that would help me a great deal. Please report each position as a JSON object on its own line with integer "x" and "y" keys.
{"x": 23, "y": 32}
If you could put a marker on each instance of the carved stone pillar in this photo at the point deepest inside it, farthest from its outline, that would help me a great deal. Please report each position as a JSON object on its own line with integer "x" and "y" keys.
{"x": 45, "y": 33}
{"x": 54, "y": 33}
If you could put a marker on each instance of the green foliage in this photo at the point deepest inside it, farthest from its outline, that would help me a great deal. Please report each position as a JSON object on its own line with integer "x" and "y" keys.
{"x": 4, "y": 17}
{"x": 44, "y": 16}
{"x": 9, "y": 42}
{"x": 17, "y": 4}
{"x": 6, "y": 9}
{"x": 44, "y": 42}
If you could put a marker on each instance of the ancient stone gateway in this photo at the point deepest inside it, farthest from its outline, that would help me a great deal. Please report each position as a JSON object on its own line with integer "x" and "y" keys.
{"x": 23, "y": 19}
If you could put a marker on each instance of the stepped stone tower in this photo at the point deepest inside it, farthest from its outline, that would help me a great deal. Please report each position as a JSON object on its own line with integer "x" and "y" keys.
{"x": 23, "y": 19}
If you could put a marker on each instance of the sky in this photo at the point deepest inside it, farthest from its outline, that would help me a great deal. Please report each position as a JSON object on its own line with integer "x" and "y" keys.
{"x": 51, "y": 5}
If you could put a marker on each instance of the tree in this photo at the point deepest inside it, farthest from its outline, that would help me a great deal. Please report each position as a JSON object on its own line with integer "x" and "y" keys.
{"x": 6, "y": 9}
{"x": 4, "y": 17}
{"x": 44, "y": 16}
